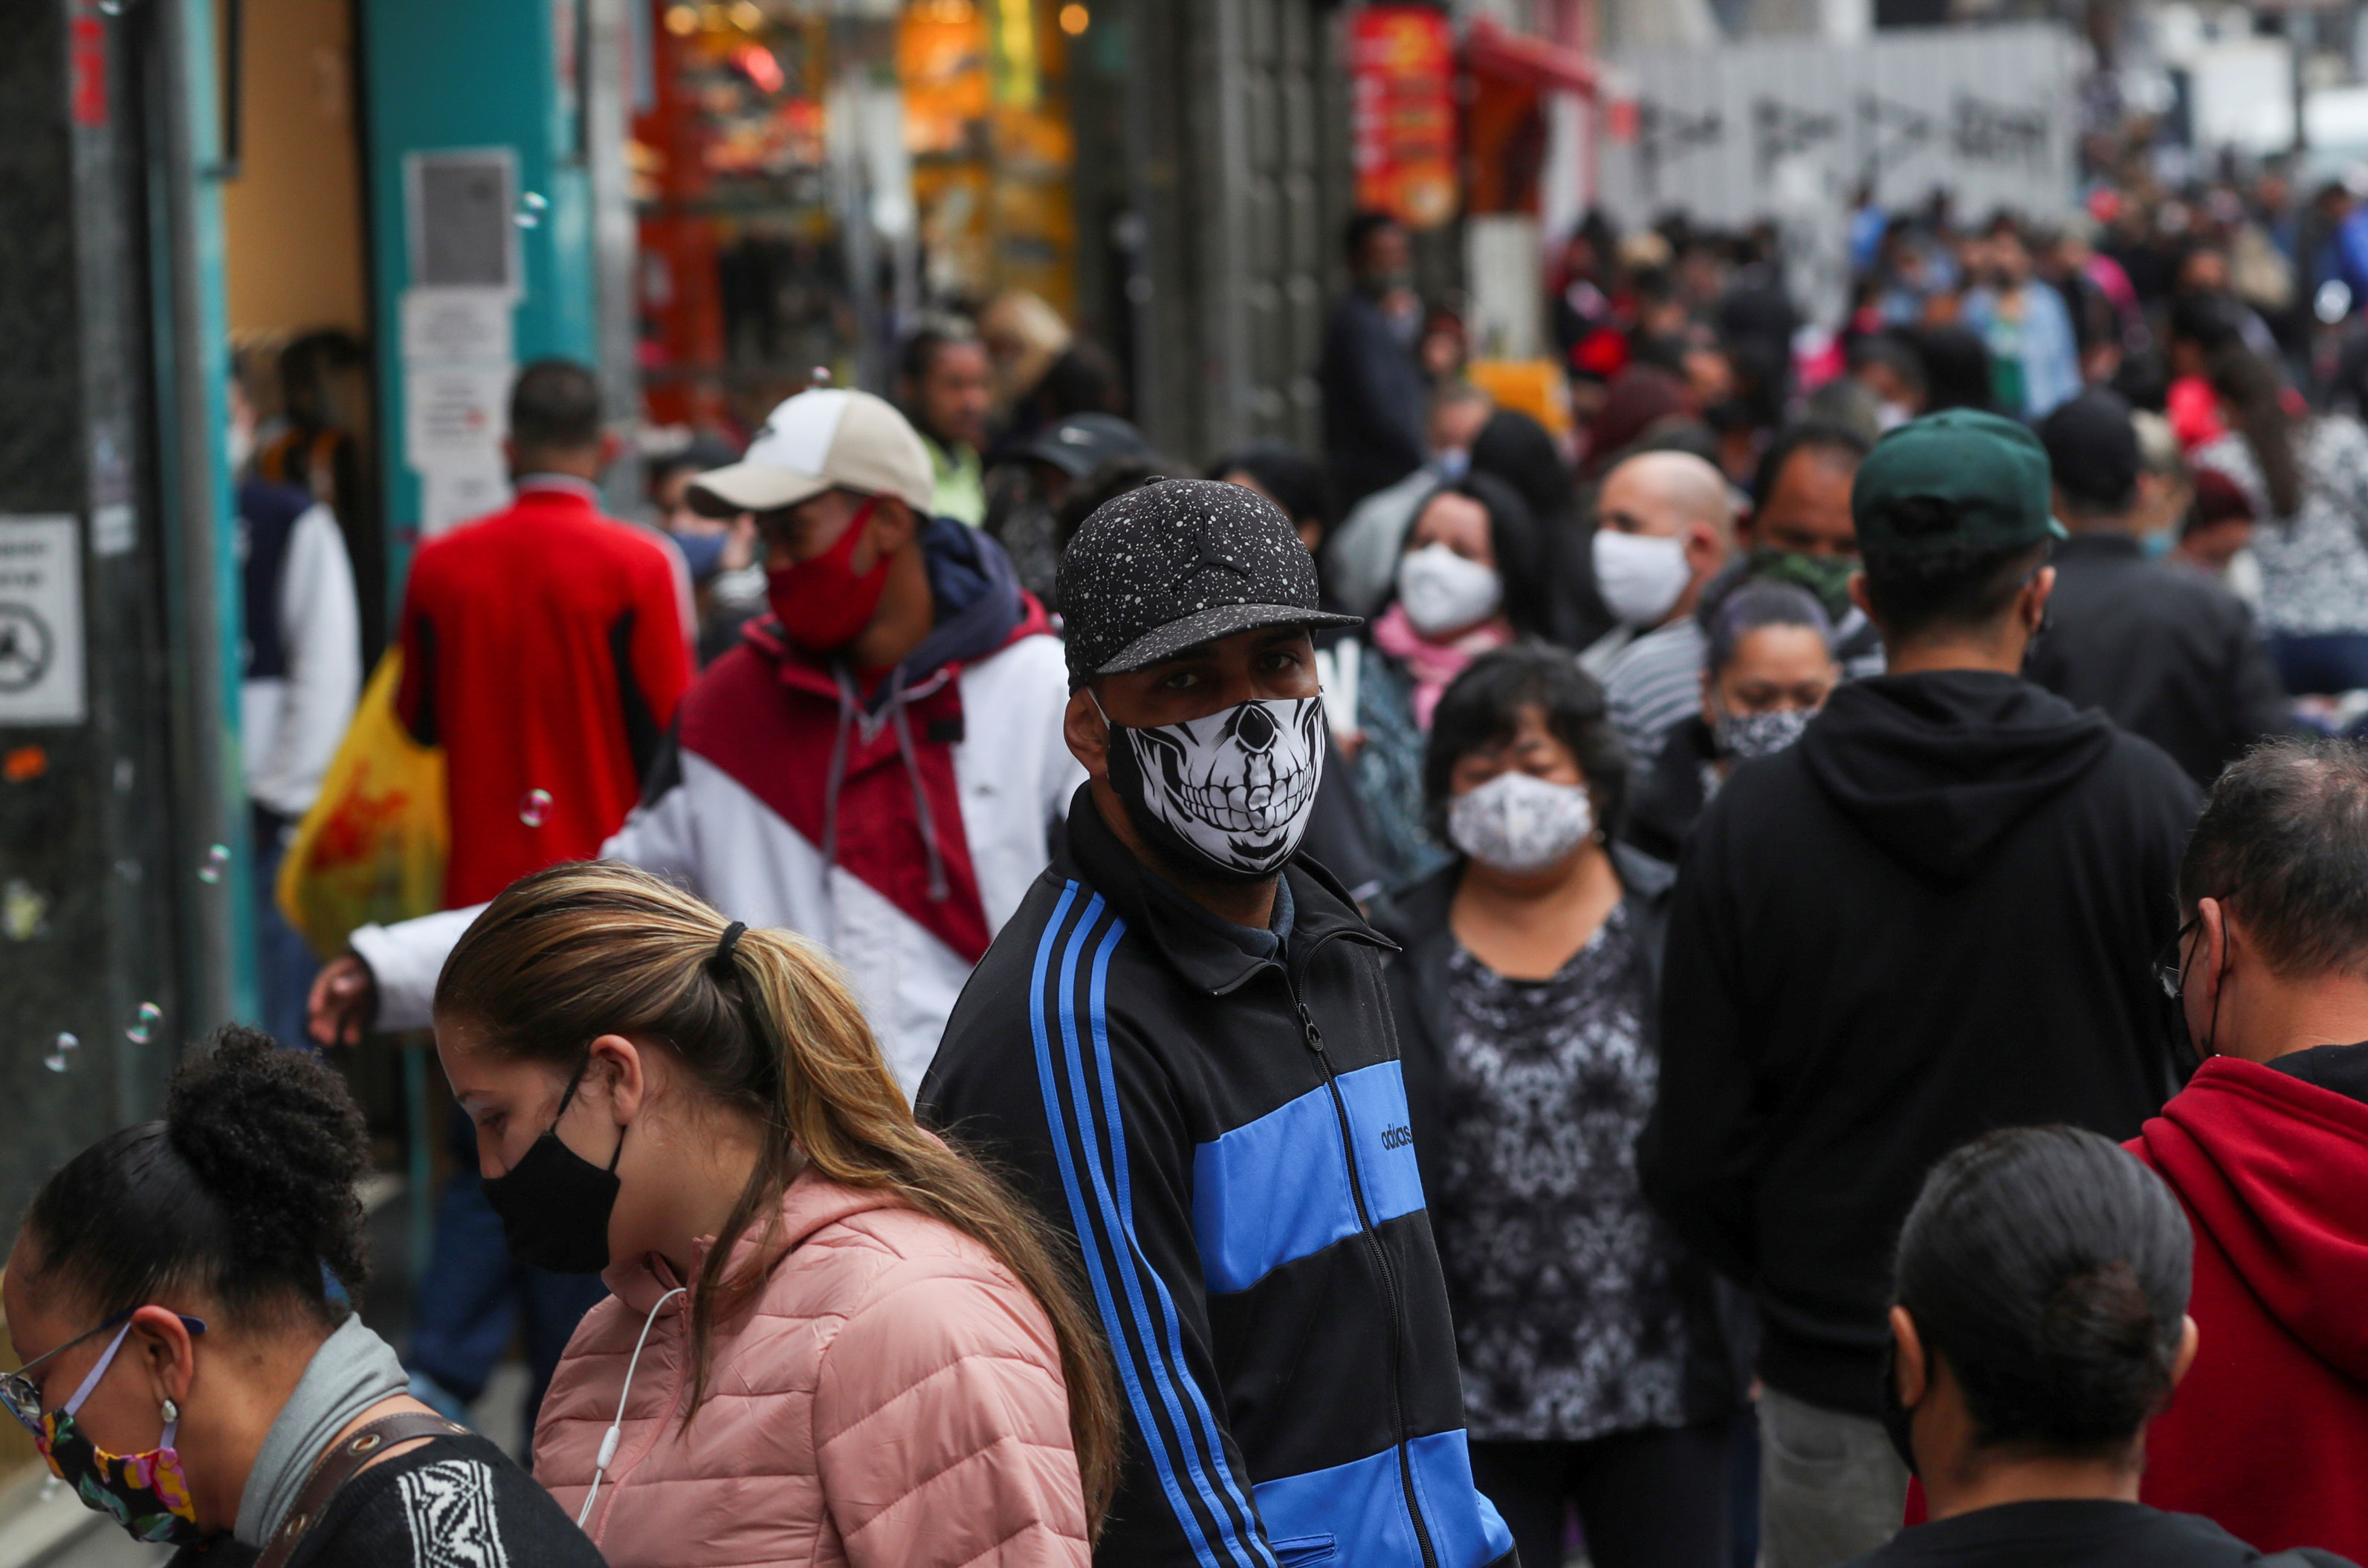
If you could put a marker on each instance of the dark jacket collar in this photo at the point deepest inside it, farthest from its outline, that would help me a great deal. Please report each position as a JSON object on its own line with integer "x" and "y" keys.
{"x": 1206, "y": 958}
{"x": 2100, "y": 547}
{"x": 1421, "y": 912}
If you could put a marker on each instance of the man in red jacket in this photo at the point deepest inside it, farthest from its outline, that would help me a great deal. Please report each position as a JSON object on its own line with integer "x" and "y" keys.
{"x": 2267, "y": 1148}
{"x": 543, "y": 648}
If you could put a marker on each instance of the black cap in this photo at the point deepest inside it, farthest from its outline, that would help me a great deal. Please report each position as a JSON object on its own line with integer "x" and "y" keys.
{"x": 1177, "y": 563}
{"x": 1083, "y": 442}
{"x": 2092, "y": 450}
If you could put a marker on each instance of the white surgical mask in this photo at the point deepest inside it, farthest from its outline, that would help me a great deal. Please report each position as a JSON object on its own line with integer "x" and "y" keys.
{"x": 1443, "y": 592}
{"x": 1232, "y": 791}
{"x": 1640, "y": 575}
{"x": 1519, "y": 823}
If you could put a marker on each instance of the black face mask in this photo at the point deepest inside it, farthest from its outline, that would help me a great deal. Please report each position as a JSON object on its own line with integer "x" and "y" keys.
{"x": 554, "y": 1203}
{"x": 1898, "y": 1419}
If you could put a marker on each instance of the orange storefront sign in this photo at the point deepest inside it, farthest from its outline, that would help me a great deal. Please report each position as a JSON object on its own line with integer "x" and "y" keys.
{"x": 1401, "y": 86}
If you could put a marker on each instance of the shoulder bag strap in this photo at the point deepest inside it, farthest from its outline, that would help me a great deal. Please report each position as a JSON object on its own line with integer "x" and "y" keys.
{"x": 337, "y": 1466}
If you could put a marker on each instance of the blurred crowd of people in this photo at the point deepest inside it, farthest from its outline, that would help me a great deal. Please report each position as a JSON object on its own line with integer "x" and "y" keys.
{"x": 1738, "y": 807}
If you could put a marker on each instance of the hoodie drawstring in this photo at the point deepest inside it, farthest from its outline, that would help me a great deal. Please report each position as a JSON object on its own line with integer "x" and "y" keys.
{"x": 848, "y": 710}
{"x": 938, "y": 888}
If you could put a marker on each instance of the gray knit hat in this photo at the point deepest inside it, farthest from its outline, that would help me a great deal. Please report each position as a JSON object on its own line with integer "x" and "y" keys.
{"x": 1174, "y": 565}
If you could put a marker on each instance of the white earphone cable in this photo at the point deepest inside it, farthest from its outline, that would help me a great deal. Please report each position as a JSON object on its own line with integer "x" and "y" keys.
{"x": 609, "y": 1441}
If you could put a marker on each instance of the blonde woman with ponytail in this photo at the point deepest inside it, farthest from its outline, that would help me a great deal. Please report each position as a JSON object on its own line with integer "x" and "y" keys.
{"x": 830, "y": 1339}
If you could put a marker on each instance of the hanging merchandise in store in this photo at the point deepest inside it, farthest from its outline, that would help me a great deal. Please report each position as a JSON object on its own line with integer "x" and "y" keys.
{"x": 1402, "y": 85}
{"x": 808, "y": 178}
{"x": 987, "y": 117}
{"x": 744, "y": 283}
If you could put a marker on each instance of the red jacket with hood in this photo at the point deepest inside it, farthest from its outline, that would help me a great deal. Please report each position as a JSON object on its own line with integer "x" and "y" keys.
{"x": 2268, "y": 1435}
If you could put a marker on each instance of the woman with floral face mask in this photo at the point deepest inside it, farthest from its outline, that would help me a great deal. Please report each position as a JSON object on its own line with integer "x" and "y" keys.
{"x": 1769, "y": 667}
{"x": 192, "y": 1365}
{"x": 1468, "y": 580}
{"x": 1596, "y": 1369}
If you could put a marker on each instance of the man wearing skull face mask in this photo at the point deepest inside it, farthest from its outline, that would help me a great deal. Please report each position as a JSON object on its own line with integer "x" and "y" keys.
{"x": 1185, "y": 1019}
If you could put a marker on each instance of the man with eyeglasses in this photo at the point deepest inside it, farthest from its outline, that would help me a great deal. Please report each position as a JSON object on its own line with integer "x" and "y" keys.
{"x": 2267, "y": 1148}
{"x": 1930, "y": 918}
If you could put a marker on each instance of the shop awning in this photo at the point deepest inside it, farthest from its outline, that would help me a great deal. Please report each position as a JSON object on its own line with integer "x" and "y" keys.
{"x": 1491, "y": 47}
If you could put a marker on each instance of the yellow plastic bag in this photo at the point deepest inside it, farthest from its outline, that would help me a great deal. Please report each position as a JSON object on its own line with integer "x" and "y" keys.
{"x": 374, "y": 846}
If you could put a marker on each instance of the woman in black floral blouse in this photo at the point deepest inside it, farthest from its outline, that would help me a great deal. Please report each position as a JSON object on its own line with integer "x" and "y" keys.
{"x": 1600, "y": 1369}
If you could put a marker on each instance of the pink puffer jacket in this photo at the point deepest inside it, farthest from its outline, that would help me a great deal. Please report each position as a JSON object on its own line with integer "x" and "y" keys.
{"x": 893, "y": 1396}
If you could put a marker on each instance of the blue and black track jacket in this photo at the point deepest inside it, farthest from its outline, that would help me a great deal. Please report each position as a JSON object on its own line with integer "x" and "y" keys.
{"x": 1227, "y": 1137}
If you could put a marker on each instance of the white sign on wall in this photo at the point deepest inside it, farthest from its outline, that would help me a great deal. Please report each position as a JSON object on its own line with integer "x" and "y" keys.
{"x": 1789, "y": 129}
{"x": 457, "y": 363}
{"x": 40, "y": 621}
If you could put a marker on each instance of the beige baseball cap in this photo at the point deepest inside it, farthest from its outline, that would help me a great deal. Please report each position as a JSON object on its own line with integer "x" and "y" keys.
{"x": 832, "y": 440}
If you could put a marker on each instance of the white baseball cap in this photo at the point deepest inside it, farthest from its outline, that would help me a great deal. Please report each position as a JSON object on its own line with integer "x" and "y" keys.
{"x": 832, "y": 440}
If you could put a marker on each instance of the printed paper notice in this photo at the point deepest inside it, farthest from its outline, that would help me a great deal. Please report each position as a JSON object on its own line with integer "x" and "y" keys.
{"x": 457, "y": 325}
{"x": 40, "y": 621}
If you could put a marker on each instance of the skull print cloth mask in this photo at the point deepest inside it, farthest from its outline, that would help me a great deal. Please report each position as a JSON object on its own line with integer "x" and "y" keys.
{"x": 1230, "y": 793}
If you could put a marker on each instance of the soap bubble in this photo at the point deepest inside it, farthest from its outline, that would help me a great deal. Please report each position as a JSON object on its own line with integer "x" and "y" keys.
{"x": 67, "y": 1042}
{"x": 217, "y": 861}
{"x": 531, "y": 206}
{"x": 55, "y": 1062}
{"x": 819, "y": 377}
{"x": 143, "y": 1024}
{"x": 534, "y": 809}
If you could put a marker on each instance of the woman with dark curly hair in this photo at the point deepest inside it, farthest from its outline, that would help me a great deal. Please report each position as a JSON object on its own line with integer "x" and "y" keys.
{"x": 181, "y": 1299}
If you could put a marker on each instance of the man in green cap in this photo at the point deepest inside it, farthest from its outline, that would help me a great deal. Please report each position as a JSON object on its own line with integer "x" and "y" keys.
{"x": 1934, "y": 917}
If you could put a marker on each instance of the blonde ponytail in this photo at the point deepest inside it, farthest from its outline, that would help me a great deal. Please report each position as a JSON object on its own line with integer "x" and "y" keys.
{"x": 772, "y": 1026}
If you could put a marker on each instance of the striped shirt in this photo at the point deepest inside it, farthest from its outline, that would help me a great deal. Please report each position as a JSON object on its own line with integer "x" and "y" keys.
{"x": 1655, "y": 681}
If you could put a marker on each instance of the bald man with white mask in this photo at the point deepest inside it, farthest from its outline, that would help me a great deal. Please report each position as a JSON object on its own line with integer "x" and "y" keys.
{"x": 1664, "y": 527}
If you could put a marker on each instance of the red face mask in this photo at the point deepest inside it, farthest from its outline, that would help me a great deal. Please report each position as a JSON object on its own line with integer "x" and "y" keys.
{"x": 823, "y": 604}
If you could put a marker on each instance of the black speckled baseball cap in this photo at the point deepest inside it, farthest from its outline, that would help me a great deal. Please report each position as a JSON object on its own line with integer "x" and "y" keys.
{"x": 1177, "y": 563}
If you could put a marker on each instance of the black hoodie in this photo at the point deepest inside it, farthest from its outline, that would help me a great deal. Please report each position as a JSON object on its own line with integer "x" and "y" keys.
{"x": 1936, "y": 916}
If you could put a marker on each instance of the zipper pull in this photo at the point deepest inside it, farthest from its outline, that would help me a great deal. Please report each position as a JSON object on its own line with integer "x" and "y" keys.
{"x": 1315, "y": 1035}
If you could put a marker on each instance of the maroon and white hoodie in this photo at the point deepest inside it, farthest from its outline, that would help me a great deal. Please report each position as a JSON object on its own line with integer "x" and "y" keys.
{"x": 898, "y": 826}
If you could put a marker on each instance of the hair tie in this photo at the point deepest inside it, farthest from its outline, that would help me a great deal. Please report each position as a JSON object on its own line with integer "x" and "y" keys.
{"x": 721, "y": 962}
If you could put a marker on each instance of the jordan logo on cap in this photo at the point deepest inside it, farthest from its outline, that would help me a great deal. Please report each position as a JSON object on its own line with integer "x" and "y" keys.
{"x": 1202, "y": 555}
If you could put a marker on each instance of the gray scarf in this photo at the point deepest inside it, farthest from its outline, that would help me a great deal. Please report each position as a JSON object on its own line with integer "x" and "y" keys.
{"x": 352, "y": 1370}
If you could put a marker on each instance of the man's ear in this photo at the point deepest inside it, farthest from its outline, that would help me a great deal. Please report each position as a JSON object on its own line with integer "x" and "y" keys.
{"x": 612, "y": 446}
{"x": 1088, "y": 732}
{"x": 1704, "y": 554}
{"x": 1909, "y": 1368}
{"x": 895, "y": 525}
{"x": 1857, "y": 596}
{"x": 2042, "y": 586}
